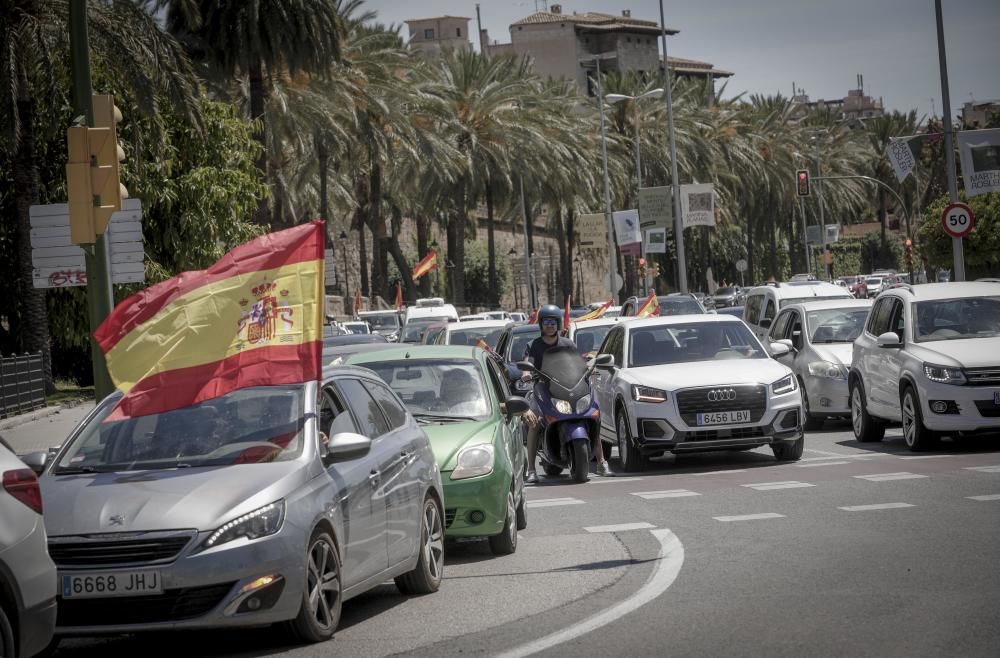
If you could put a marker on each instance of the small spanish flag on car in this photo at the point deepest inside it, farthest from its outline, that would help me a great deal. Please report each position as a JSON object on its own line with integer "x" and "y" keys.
{"x": 427, "y": 263}
{"x": 597, "y": 312}
{"x": 650, "y": 307}
{"x": 399, "y": 296}
{"x": 254, "y": 318}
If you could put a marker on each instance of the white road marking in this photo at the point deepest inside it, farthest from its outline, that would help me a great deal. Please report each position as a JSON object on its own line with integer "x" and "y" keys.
{"x": 771, "y": 486}
{"x": 553, "y": 502}
{"x": 620, "y": 527}
{"x": 820, "y": 464}
{"x": 749, "y": 517}
{"x": 984, "y": 469}
{"x": 886, "y": 477}
{"x": 840, "y": 456}
{"x": 668, "y": 565}
{"x": 928, "y": 456}
{"x": 865, "y": 508}
{"x": 989, "y": 497}
{"x": 613, "y": 478}
{"x": 669, "y": 493}
{"x": 735, "y": 470}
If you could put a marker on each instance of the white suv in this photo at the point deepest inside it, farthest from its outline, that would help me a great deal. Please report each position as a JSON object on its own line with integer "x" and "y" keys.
{"x": 929, "y": 357}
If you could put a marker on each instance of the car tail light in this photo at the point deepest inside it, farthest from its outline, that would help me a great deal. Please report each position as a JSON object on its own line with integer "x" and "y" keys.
{"x": 23, "y": 485}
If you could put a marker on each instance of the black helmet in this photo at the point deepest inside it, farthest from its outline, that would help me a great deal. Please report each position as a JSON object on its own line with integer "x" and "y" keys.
{"x": 550, "y": 312}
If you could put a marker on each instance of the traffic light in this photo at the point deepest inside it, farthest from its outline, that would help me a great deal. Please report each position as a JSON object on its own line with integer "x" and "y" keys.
{"x": 802, "y": 182}
{"x": 642, "y": 267}
{"x": 656, "y": 270}
{"x": 908, "y": 254}
{"x": 94, "y": 190}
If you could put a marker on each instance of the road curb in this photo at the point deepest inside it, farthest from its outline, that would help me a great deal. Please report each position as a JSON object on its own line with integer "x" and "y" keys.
{"x": 38, "y": 414}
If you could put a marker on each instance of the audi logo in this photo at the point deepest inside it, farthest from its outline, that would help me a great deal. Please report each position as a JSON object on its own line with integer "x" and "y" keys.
{"x": 721, "y": 394}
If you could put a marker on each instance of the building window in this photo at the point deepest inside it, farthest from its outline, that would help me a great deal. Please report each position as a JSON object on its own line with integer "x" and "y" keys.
{"x": 429, "y": 33}
{"x": 458, "y": 31}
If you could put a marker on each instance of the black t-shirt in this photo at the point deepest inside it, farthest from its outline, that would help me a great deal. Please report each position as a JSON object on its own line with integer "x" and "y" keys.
{"x": 538, "y": 347}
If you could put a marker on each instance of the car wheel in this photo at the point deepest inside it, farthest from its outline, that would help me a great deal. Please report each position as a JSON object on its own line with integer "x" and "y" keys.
{"x": 866, "y": 428}
{"x": 7, "y": 648}
{"x": 522, "y": 515}
{"x": 319, "y": 613}
{"x": 785, "y": 451}
{"x": 812, "y": 423}
{"x": 551, "y": 471}
{"x": 607, "y": 447}
{"x": 506, "y": 542}
{"x": 916, "y": 436}
{"x": 426, "y": 576}
{"x": 630, "y": 458}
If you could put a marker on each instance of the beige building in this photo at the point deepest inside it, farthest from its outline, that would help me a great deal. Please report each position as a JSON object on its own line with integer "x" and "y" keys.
{"x": 976, "y": 114}
{"x": 565, "y": 45}
{"x": 433, "y": 35}
{"x": 853, "y": 106}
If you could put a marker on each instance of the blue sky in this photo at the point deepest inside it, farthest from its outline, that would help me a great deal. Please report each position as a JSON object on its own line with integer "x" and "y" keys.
{"x": 818, "y": 45}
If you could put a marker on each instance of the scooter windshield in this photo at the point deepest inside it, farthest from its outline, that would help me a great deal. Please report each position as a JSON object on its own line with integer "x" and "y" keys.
{"x": 564, "y": 366}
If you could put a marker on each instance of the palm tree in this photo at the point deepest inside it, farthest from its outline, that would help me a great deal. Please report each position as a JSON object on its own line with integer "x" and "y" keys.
{"x": 126, "y": 43}
{"x": 879, "y": 132}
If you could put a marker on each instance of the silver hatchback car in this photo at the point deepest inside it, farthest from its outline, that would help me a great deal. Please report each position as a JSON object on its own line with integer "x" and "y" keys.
{"x": 27, "y": 575}
{"x": 240, "y": 511}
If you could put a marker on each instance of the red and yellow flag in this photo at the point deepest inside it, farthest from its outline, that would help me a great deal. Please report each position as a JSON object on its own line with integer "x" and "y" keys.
{"x": 533, "y": 318}
{"x": 597, "y": 312}
{"x": 399, "y": 295}
{"x": 428, "y": 263}
{"x": 566, "y": 316}
{"x": 649, "y": 307}
{"x": 483, "y": 345}
{"x": 357, "y": 301}
{"x": 254, "y": 318}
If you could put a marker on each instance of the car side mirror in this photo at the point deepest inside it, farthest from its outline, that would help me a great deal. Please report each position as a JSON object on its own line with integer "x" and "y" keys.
{"x": 765, "y": 323}
{"x": 347, "y": 446}
{"x": 36, "y": 461}
{"x": 787, "y": 342}
{"x": 605, "y": 361}
{"x": 526, "y": 366}
{"x": 781, "y": 348}
{"x": 888, "y": 339}
{"x": 516, "y": 406}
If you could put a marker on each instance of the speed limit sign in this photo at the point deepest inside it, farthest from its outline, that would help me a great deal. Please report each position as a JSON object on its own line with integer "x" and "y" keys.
{"x": 958, "y": 220}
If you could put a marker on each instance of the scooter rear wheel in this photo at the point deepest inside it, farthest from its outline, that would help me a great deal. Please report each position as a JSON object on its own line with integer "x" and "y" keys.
{"x": 581, "y": 461}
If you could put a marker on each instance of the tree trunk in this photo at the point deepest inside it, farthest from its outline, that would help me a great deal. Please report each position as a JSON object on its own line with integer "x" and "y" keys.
{"x": 491, "y": 254}
{"x": 258, "y": 99}
{"x": 323, "y": 162}
{"x": 750, "y": 264}
{"x": 34, "y": 330}
{"x": 883, "y": 250}
{"x": 423, "y": 246}
{"x": 363, "y": 261}
{"x": 376, "y": 222}
{"x": 772, "y": 235}
{"x": 570, "y": 272}
{"x": 458, "y": 259}
{"x": 565, "y": 281}
{"x": 447, "y": 262}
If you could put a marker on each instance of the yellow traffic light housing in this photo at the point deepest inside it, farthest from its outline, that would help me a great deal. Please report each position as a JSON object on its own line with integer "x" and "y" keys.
{"x": 108, "y": 156}
{"x": 92, "y": 173}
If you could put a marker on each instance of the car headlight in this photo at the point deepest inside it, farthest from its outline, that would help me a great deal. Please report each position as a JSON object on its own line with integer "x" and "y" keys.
{"x": 582, "y": 404}
{"x": 647, "y": 394}
{"x": 392, "y": 338}
{"x": 784, "y": 385}
{"x": 826, "y": 369}
{"x": 473, "y": 461}
{"x": 562, "y": 406}
{"x": 944, "y": 374}
{"x": 259, "y": 523}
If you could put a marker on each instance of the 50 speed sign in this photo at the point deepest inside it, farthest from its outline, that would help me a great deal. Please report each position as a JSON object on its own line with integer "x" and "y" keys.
{"x": 958, "y": 219}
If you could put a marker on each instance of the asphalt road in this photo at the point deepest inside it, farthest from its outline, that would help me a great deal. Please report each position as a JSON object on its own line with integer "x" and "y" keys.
{"x": 856, "y": 550}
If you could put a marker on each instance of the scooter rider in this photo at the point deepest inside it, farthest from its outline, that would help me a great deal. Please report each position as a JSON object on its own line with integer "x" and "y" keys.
{"x": 550, "y": 321}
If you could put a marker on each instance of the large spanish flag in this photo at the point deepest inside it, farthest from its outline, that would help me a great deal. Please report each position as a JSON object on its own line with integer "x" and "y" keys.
{"x": 426, "y": 264}
{"x": 597, "y": 312}
{"x": 254, "y": 318}
{"x": 650, "y": 307}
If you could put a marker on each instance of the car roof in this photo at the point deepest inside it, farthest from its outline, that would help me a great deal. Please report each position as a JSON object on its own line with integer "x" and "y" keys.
{"x": 419, "y": 352}
{"x": 524, "y": 328}
{"x": 802, "y": 289}
{"x": 949, "y": 290}
{"x": 477, "y": 324}
{"x": 362, "y": 314}
{"x": 822, "y": 304}
{"x": 600, "y": 322}
{"x": 342, "y": 370}
{"x": 680, "y": 319}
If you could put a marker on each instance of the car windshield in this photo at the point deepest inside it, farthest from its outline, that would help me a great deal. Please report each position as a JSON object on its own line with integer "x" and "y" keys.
{"x": 725, "y": 291}
{"x": 520, "y": 342}
{"x": 472, "y": 336}
{"x": 588, "y": 339}
{"x": 679, "y": 306}
{"x": 953, "y": 319}
{"x": 873, "y": 281}
{"x": 247, "y": 426}
{"x": 695, "y": 341}
{"x": 836, "y": 325}
{"x": 799, "y": 300}
{"x": 382, "y": 321}
{"x": 437, "y": 389}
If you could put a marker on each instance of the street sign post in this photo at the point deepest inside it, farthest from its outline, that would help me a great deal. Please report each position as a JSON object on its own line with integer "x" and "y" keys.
{"x": 958, "y": 219}
{"x": 741, "y": 267}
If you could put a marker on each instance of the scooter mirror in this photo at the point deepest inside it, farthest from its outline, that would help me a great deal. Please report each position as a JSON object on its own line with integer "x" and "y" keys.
{"x": 516, "y": 406}
{"x": 526, "y": 366}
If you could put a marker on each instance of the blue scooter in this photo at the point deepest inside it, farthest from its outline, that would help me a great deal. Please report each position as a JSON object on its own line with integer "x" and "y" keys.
{"x": 568, "y": 411}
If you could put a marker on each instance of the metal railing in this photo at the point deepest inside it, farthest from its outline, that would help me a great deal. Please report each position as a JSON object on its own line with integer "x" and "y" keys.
{"x": 22, "y": 384}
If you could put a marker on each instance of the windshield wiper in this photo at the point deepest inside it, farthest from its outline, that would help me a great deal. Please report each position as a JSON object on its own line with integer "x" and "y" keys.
{"x": 76, "y": 470}
{"x": 440, "y": 417}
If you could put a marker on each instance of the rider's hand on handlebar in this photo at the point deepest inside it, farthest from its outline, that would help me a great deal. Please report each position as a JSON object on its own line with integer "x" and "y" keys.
{"x": 526, "y": 376}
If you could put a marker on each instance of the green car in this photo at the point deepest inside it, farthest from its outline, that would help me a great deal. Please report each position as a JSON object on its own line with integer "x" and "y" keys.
{"x": 461, "y": 397}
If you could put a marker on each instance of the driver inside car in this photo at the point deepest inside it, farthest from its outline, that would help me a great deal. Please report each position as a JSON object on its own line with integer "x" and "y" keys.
{"x": 460, "y": 394}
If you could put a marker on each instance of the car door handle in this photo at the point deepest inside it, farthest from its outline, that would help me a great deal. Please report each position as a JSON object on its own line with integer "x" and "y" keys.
{"x": 373, "y": 477}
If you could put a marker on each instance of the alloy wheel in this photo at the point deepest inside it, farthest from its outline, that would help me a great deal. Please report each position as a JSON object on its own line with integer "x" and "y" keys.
{"x": 623, "y": 446}
{"x": 323, "y": 583}
{"x": 433, "y": 534}
{"x": 909, "y": 419}
{"x": 856, "y": 411}
{"x": 511, "y": 518}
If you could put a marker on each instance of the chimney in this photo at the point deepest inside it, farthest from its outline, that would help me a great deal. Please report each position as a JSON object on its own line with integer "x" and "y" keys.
{"x": 627, "y": 13}
{"x": 555, "y": 9}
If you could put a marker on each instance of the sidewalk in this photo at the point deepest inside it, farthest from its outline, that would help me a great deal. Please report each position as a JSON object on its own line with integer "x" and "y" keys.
{"x": 44, "y": 428}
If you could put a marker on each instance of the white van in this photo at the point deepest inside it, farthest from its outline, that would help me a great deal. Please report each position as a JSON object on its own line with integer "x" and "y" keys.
{"x": 427, "y": 310}
{"x": 763, "y": 302}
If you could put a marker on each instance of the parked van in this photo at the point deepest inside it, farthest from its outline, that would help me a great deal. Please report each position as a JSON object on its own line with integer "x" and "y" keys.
{"x": 764, "y": 302}
{"x": 426, "y": 311}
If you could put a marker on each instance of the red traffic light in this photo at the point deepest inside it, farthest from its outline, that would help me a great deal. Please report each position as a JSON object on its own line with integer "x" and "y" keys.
{"x": 642, "y": 262}
{"x": 802, "y": 182}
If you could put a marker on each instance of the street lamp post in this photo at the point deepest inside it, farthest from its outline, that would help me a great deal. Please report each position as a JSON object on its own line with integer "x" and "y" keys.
{"x": 579, "y": 277}
{"x": 512, "y": 254}
{"x": 437, "y": 268}
{"x": 674, "y": 182}
{"x": 612, "y": 248}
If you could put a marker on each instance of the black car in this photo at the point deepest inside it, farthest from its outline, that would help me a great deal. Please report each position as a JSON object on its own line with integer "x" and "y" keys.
{"x": 727, "y": 296}
{"x": 510, "y": 349}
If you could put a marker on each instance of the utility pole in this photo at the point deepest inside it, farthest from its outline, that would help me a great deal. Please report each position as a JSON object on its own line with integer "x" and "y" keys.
{"x": 674, "y": 183}
{"x": 527, "y": 256}
{"x": 100, "y": 299}
{"x": 612, "y": 248}
{"x": 958, "y": 253}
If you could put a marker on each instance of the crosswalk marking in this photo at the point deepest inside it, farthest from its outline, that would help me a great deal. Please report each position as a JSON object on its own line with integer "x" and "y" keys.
{"x": 820, "y": 464}
{"x": 771, "y": 486}
{"x": 749, "y": 517}
{"x": 613, "y": 479}
{"x": 928, "y": 456}
{"x": 735, "y": 470}
{"x": 984, "y": 469}
{"x": 865, "y": 508}
{"x": 554, "y": 502}
{"x": 620, "y": 527}
{"x": 885, "y": 477}
{"x": 989, "y": 497}
{"x": 670, "y": 493}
